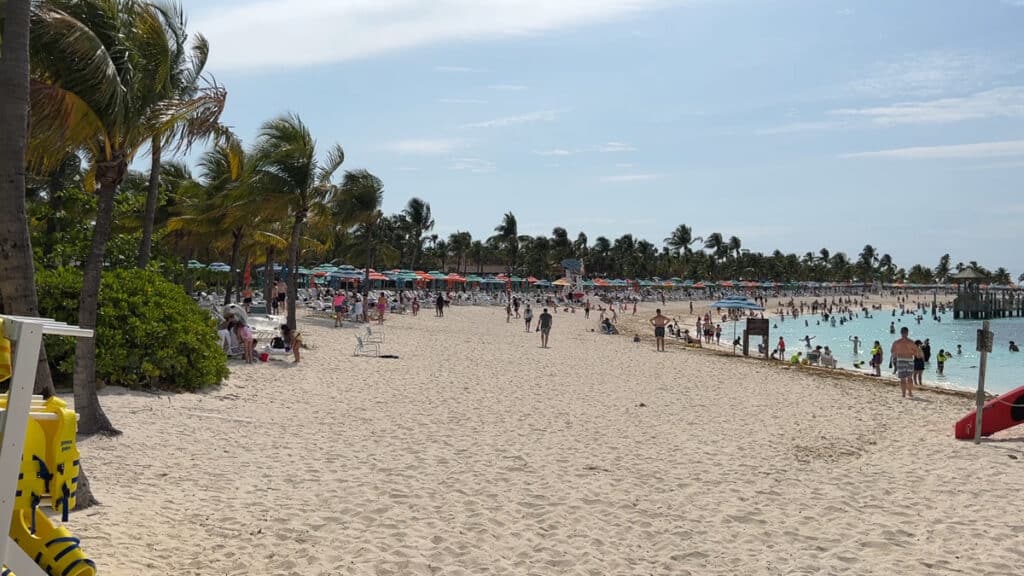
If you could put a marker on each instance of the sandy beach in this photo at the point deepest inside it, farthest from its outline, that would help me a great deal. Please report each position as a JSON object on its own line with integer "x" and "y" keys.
{"x": 477, "y": 452}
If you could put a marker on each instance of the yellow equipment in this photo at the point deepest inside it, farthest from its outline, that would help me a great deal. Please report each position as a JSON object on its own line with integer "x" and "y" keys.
{"x": 53, "y": 548}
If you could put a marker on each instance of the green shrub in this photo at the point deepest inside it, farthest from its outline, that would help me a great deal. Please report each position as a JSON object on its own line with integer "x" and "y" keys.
{"x": 149, "y": 332}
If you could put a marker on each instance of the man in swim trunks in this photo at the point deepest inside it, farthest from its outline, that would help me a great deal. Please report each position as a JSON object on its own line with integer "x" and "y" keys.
{"x": 904, "y": 351}
{"x": 659, "y": 322}
{"x": 545, "y": 328}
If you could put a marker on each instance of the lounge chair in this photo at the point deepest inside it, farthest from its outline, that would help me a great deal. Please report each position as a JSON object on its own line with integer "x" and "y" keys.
{"x": 364, "y": 348}
{"x": 372, "y": 337}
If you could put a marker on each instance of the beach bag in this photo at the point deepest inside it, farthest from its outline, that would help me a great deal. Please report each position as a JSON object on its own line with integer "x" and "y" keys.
{"x": 277, "y": 342}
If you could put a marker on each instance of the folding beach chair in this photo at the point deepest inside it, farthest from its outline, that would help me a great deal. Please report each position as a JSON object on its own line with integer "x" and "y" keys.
{"x": 372, "y": 337}
{"x": 364, "y": 348}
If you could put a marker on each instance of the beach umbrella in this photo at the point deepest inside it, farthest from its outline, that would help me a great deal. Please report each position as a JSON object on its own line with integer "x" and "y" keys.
{"x": 532, "y": 280}
{"x": 474, "y": 278}
{"x": 559, "y": 282}
{"x": 546, "y": 284}
{"x": 736, "y": 303}
{"x": 237, "y": 311}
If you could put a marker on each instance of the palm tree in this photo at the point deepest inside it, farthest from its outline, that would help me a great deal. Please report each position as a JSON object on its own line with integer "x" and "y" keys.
{"x": 478, "y": 251}
{"x": 17, "y": 274}
{"x": 866, "y": 263}
{"x": 97, "y": 64}
{"x": 942, "y": 271}
{"x": 681, "y": 239}
{"x": 508, "y": 238}
{"x": 182, "y": 83}
{"x": 287, "y": 174}
{"x": 460, "y": 243}
{"x": 579, "y": 246}
{"x": 232, "y": 205}
{"x": 359, "y": 205}
{"x": 417, "y": 212}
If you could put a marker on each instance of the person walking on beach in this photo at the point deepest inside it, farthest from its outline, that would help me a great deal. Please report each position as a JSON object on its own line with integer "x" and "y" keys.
{"x": 904, "y": 351}
{"x": 586, "y": 309}
{"x": 528, "y": 317}
{"x": 659, "y": 322}
{"x": 919, "y": 363}
{"x": 718, "y": 334}
{"x": 781, "y": 347}
{"x": 544, "y": 326}
{"x": 439, "y": 305}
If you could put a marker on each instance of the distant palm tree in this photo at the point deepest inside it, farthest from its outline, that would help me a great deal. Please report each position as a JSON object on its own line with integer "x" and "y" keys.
{"x": 460, "y": 243}
{"x": 942, "y": 271}
{"x": 290, "y": 180}
{"x": 478, "y": 251}
{"x": 417, "y": 212}
{"x": 359, "y": 203}
{"x": 681, "y": 239}
{"x": 508, "y": 237}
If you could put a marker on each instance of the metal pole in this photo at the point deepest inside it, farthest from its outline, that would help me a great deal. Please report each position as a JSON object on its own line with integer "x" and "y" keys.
{"x": 980, "y": 400}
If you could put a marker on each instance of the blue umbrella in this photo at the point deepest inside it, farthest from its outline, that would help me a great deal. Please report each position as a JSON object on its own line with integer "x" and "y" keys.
{"x": 736, "y": 303}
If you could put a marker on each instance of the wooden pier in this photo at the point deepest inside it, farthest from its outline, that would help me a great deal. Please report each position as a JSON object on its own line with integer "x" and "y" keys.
{"x": 976, "y": 303}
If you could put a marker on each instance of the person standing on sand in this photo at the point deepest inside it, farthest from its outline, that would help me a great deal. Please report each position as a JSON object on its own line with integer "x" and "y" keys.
{"x": 904, "y": 352}
{"x": 528, "y": 317}
{"x": 586, "y": 309}
{"x": 439, "y": 306}
{"x": 544, "y": 325}
{"x": 659, "y": 322}
{"x": 781, "y": 347}
{"x": 718, "y": 334}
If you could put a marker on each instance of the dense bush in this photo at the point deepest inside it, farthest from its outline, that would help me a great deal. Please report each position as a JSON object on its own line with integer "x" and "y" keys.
{"x": 149, "y": 332}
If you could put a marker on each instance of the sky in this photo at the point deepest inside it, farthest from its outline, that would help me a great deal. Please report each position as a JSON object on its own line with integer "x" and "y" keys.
{"x": 792, "y": 124}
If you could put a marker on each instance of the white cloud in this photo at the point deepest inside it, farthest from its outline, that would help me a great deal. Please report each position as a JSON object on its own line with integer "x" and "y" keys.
{"x": 427, "y": 146}
{"x": 800, "y": 127}
{"x": 1004, "y": 149}
{"x": 930, "y": 75}
{"x": 528, "y": 118}
{"x": 555, "y": 152}
{"x": 1018, "y": 3}
{"x": 310, "y": 32}
{"x": 997, "y": 103}
{"x": 475, "y": 165}
{"x": 615, "y": 147}
{"x": 507, "y": 87}
{"x": 846, "y": 12}
{"x": 454, "y": 69}
{"x": 461, "y": 101}
{"x": 631, "y": 177}
{"x": 624, "y": 165}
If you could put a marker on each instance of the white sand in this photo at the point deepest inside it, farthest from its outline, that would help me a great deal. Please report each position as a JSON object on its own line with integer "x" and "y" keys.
{"x": 477, "y": 452}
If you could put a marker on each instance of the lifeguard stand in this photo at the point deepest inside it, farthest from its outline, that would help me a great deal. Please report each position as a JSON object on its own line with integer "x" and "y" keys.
{"x": 26, "y": 336}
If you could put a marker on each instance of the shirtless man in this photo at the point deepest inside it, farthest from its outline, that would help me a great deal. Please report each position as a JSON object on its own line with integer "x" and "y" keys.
{"x": 903, "y": 353}
{"x": 659, "y": 322}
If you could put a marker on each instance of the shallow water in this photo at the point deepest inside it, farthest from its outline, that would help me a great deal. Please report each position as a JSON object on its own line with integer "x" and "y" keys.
{"x": 1004, "y": 372}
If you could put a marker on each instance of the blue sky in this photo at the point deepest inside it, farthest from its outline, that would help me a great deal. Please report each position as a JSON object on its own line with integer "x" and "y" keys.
{"x": 793, "y": 124}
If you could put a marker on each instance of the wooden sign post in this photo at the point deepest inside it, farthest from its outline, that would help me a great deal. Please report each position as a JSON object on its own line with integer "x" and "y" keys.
{"x": 984, "y": 346}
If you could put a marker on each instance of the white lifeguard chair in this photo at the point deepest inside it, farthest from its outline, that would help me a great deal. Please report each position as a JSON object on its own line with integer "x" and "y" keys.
{"x": 26, "y": 336}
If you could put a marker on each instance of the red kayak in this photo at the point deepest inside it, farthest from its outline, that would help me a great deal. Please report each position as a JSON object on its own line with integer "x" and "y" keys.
{"x": 999, "y": 413}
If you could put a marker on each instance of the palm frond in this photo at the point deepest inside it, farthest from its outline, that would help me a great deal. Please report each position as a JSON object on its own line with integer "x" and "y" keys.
{"x": 61, "y": 121}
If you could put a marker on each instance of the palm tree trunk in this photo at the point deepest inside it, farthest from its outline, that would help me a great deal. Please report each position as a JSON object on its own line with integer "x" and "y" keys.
{"x": 236, "y": 278}
{"x": 369, "y": 264}
{"x": 268, "y": 278}
{"x": 418, "y": 239}
{"x": 17, "y": 275}
{"x": 92, "y": 419}
{"x": 293, "y": 268}
{"x": 153, "y": 196}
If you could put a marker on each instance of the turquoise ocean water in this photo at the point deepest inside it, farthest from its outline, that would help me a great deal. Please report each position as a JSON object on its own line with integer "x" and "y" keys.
{"x": 1004, "y": 371}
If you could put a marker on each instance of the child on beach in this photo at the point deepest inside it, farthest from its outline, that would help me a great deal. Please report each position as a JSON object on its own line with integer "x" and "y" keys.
{"x": 292, "y": 339}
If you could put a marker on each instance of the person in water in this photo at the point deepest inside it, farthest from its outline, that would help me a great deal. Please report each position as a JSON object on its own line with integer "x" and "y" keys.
{"x": 1013, "y": 347}
{"x": 940, "y": 360}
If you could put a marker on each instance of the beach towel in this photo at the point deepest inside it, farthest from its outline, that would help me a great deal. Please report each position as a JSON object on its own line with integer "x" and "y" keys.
{"x": 5, "y": 354}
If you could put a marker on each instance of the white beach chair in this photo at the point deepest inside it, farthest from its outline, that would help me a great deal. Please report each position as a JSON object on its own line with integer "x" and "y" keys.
{"x": 372, "y": 337}
{"x": 364, "y": 348}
